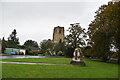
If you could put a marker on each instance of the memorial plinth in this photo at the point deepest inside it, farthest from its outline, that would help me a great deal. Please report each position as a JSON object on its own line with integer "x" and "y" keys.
{"x": 77, "y": 58}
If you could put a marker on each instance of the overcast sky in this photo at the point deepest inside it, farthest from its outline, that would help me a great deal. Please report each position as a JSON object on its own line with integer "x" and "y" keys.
{"x": 36, "y": 20}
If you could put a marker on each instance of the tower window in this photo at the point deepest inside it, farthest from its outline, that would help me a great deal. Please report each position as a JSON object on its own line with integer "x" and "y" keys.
{"x": 59, "y": 31}
{"x": 56, "y": 30}
{"x": 60, "y": 41}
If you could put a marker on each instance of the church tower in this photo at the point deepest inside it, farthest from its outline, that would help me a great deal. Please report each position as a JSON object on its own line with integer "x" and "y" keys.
{"x": 58, "y": 34}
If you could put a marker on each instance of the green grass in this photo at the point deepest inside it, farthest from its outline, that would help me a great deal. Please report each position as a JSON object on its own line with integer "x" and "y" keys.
{"x": 93, "y": 69}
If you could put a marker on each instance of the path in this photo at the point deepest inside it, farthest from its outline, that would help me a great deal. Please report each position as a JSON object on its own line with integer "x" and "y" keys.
{"x": 24, "y": 56}
{"x": 31, "y": 63}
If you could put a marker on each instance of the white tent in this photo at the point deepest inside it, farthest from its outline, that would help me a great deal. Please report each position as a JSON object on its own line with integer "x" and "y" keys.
{"x": 22, "y": 51}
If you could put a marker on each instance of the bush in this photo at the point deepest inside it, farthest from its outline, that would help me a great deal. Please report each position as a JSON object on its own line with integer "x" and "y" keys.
{"x": 32, "y": 53}
{"x": 60, "y": 53}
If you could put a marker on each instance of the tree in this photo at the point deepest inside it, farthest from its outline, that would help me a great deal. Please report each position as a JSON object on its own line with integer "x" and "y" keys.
{"x": 13, "y": 40}
{"x": 104, "y": 30}
{"x": 75, "y": 39}
{"x": 4, "y": 44}
{"x": 69, "y": 51}
{"x": 77, "y": 36}
{"x": 59, "y": 47}
{"x": 31, "y": 43}
{"x": 46, "y": 45}
{"x": 29, "y": 46}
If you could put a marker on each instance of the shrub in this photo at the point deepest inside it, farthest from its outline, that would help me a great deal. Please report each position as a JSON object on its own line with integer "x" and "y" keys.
{"x": 32, "y": 53}
{"x": 60, "y": 53}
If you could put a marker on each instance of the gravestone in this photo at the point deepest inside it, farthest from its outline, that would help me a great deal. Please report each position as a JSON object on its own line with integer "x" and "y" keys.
{"x": 77, "y": 58}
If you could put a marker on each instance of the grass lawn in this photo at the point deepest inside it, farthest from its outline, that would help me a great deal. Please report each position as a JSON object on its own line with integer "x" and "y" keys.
{"x": 93, "y": 69}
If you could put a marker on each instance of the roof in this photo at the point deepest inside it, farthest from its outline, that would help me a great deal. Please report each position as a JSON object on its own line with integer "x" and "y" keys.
{"x": 34, "y": 48}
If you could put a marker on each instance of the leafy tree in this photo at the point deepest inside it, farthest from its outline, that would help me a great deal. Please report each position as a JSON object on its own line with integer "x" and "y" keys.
{"x": 69, "y": 51}
{"x": 59, "y": 47}
{"x": 31, "y": 43}
{"x": 76, "y": 37}
{"x": 104, "y": 30}
{"x": 13, "y": 37}
{"x": 46, "y": 45}
{"x": 13, "y": 40}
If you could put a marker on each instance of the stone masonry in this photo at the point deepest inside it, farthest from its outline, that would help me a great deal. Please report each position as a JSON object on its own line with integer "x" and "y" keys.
{"x": 58, "y": 34}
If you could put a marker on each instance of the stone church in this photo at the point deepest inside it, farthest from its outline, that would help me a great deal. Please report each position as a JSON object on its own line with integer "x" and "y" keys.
{"x": 58, "y": 34}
